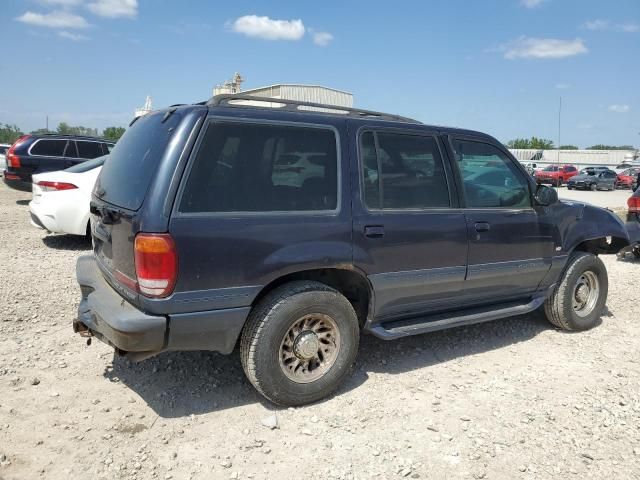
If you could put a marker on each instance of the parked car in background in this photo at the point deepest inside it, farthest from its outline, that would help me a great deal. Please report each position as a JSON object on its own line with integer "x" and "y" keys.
{"x": 531, "y": 168}
{"x": 34, "y": 154}
{"x": 628, "y": 178}
{"x": 555, "y": 175}
{"x": 622, "y": 166}
{"x": 3, "y": 156}
{"x": 633, "y": 224}
{"x": 594, "y": 178}
{"x": 60, "y": 202}
{"x": 200, "y": 243}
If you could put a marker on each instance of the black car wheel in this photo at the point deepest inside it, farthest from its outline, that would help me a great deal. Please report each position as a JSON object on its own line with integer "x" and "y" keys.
{"x": 299, "y": 343}
{"x": 593, "y": 187}
{"x": 578, "y": 300}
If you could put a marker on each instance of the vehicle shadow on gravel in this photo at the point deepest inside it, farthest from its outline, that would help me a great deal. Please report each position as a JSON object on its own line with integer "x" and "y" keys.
{"x": 67, "y": 242}
{"x": 22, "y": 202}
{"x": 178, "y": 384}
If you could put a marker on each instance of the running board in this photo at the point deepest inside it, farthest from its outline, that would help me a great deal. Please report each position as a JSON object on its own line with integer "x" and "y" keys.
{"x": 432, "y": 323}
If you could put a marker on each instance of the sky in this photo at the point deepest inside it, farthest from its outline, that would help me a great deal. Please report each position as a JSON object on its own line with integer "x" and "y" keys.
{"x": 498, "y": 66}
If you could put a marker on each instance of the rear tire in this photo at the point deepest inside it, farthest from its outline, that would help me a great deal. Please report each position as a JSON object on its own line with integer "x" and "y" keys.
{"x": 299, "y": 343}
{"x": 577, "y": 301}
{"x": 593, "y": 187}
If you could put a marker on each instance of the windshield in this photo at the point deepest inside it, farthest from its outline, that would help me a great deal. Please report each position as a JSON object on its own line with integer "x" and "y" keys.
{"x": 551, "y": 168}
{"x": 88, "y": 165}
{"x": 125, "y": 178}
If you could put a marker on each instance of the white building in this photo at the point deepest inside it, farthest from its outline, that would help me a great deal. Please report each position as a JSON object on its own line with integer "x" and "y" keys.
{"x": 148, "y": 106}
{"x": 289, "y": 91}
{"x": 579, "y": 158}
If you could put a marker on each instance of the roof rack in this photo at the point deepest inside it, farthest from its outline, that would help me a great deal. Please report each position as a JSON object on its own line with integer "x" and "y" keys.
{"x": 89, "y": 137}
{"x": 294, "y": 105}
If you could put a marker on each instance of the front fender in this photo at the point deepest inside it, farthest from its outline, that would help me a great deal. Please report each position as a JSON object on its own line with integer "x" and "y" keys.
{"x": 601, "y": 228}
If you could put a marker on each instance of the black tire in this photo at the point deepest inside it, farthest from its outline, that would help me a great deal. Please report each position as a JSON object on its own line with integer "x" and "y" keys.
{"x": 265, "y": 330}
{"x": 569, "y": 187}
{"x": 559, "y": 307}
{"x": 636, "y": 252}
{"x": 559, "y": 183}
{"x": 593, "y": 187}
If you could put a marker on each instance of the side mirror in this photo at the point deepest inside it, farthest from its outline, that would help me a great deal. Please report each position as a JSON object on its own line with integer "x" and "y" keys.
{"x": 546, "y": 195}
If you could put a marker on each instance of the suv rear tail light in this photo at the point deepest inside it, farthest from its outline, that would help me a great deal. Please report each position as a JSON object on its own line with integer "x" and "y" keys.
{"x": 156, "y": 262}
{"x": 55, "y": 186}
{"x": 13, "y": 160}
{"x": 634, "y": 204}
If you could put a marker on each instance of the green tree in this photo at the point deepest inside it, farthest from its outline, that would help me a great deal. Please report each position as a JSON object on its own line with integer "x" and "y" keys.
{"x": 40, "y": 131}
{"x": 610, "y": 147}
{"x": 113, "y": 133}
{"x": 9, "y": 133}
{"x": 568, "y": 147}
{"x": 531, "y": 143}
{"x": 65, "y": 129}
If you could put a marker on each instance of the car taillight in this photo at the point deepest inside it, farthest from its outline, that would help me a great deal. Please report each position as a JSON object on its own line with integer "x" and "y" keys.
{"x": 13, "y": 160}
{"x": 634, "y": 204}
{"x": 156, "y": 262}
{"x": 55, "y": 186}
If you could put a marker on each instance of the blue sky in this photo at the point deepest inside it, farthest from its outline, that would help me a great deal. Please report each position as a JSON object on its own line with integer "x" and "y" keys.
{"x": 498, "y": 66}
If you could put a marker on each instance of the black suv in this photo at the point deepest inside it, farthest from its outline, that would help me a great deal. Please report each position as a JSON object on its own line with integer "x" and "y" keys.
{"x": 32, "y": 154}
{"x": 292, "y": 230}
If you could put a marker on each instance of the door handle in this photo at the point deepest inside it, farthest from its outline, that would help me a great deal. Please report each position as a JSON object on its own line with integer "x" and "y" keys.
{"x": 374, "y": 231}
{"x": 482, "y": 226}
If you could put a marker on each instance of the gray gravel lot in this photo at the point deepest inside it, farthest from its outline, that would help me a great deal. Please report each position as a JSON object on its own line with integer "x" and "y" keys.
{"x": 611, "y": 199}
{"x": 511, "y": 399}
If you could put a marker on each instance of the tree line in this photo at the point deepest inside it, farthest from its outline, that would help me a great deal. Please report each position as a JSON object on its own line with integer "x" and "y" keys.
{"x": 535, "y": 143}
{"x": 10, "y": 133}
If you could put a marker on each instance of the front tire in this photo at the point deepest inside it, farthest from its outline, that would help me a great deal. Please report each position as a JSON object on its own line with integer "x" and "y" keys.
{"x": 593, "y": 187}
{"x": 299, "y": 343}
{"x": 578, "y": 300}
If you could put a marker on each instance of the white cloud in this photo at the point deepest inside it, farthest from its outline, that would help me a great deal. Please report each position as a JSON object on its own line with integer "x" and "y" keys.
{"x": 562, "y": 86}
{"x": 268, "y": 29}
{"x": 629, "y": 28}
{"x": 322, "y": 39}
{"x": 114, "y": 8}
{"x": 546, "y": 48}
{"x": 531, "y": 3}
{"x": 55, "y": 19}
{"x": 600, "y": 24}
{"x": 597, "y": 24}
{"x": 60, "y": 3}
{"x": 619, "y": 108}
{"x": 76, "y": 37}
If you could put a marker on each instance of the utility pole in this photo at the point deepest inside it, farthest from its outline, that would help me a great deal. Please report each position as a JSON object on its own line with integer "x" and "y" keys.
{"x": 559, "y": 125}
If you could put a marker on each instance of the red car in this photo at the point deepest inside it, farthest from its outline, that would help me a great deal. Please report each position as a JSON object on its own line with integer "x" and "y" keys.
{"x": 628, "y": 178}
{"x": 556, "y": 175}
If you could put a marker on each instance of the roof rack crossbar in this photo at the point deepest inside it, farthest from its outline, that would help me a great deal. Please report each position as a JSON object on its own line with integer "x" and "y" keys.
{"x": 294, "y": 105}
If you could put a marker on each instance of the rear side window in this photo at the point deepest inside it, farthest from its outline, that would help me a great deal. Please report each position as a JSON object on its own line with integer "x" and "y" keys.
{"x": 244, "y": 167}
{"x": 89, "y": 149}
{"x": 49, "y": 148}
{"x": 402, "y": 171}
{"x": 71, "y": 151}
{"x": 125, "y": 178}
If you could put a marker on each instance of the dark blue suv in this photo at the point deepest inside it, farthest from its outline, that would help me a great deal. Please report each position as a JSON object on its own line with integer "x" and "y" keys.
{"x": 292, "y": 230}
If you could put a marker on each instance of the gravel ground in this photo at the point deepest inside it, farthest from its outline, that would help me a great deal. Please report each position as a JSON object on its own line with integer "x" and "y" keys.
{"x": 511, "y": 399}
{"x": 608, "y": 199}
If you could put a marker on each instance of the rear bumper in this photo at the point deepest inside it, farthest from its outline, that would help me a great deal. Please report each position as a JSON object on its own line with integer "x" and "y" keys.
{"x": 16, "y": 183}
{"x": 43, "y": 217}
{"x": 113, "y": 320}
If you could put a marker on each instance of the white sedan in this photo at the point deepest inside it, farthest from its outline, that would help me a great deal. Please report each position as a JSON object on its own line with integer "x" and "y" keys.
{"x": 60, "y": 201}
